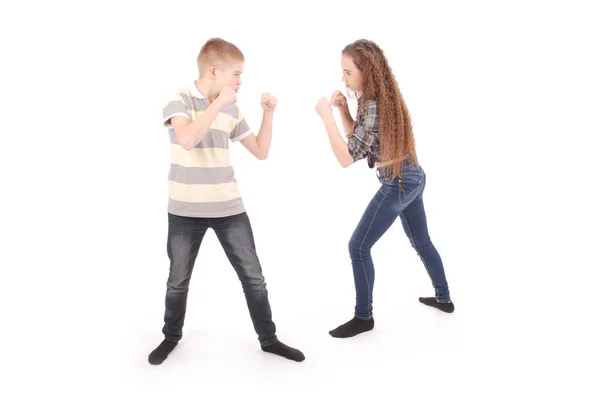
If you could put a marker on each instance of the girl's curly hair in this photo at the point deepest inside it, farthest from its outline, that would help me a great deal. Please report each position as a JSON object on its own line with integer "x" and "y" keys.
{"x": 379, "y": 83}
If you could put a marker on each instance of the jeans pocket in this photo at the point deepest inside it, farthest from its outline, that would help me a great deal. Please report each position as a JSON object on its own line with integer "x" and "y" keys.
{"x": 411, "y": 186}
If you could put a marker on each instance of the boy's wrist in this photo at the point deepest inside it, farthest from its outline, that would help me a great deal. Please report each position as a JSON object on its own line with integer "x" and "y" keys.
{"x": 218, "y": 103}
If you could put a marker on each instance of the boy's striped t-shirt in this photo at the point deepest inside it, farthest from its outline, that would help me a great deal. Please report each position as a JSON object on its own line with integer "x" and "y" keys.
{"x": 202, "y": 181}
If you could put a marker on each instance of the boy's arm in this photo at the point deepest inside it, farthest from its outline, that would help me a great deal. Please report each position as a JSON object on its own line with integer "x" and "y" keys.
{"x": 260, "y": 144}
{"x": 189, "y": 134}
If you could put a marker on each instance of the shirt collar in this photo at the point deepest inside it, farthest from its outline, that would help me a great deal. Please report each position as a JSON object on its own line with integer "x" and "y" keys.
{"x": 195, "y": 91}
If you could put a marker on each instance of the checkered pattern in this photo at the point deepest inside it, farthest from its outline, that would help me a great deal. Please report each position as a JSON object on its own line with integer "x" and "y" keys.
{"x": 364, "y": 141}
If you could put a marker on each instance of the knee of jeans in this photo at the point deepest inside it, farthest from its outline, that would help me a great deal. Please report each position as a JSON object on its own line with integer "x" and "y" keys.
{"x": 254, "y": 282}
{"x": 178, "y": 286}
{"x": 357, "y": 248}
{"x": 422, "y": 244}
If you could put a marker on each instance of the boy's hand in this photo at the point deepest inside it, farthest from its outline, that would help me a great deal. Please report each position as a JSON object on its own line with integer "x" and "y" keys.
{"x": 323, "y": 108}
{"x": 227, "y": 96}
{"x": 268, "y": 102}
{"x": 338, "y": 99}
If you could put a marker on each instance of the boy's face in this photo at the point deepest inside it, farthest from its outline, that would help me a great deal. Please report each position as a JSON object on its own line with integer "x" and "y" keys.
{"x": 351, "y": 76}
{"x": 230, "y": 74}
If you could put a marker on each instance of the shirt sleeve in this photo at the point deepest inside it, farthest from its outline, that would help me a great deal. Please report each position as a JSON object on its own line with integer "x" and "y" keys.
{"x": 365, "y": 133}
{"x": 174, "y": 106}
{"x": 241, "y": 128}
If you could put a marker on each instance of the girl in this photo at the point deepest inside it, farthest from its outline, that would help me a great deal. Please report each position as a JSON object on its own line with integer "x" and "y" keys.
{"x": 382, "y": 133}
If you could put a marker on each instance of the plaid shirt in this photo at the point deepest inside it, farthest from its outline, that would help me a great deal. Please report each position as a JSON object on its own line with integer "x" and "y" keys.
{"x": 364, "y": 141}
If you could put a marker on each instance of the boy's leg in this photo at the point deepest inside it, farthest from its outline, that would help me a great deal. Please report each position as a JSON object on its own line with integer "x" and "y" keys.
{"x": 236, "y": 236}
{"x": 183, "y": 243}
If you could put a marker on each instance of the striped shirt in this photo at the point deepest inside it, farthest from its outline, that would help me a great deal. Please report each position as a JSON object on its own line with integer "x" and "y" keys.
{"x": 202, "y": 181}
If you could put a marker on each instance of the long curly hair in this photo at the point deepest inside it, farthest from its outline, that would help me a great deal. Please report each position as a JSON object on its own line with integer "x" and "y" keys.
{"x": 379, "y": 83}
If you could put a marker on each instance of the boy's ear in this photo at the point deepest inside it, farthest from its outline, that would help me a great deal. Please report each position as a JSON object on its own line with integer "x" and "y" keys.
{"x": 212, "y": 72}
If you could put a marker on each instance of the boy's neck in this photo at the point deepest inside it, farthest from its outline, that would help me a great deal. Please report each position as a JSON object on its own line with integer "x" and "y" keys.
{"x": 205, "y": 88}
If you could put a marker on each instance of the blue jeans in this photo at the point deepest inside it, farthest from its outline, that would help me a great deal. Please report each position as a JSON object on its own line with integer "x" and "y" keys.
{"x": 236, "y": 238}
{"x": 395, "y": 198}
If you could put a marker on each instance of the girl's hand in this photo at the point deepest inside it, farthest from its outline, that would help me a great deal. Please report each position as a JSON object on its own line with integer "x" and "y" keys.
{"x": 338, "y": 99}
{"x": 323, "y": 108}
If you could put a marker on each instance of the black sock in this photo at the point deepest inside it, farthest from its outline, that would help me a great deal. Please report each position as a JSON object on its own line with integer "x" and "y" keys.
{"x": 283, "y": 350}
{"x": 447, "y": 307}
{"x": 353, "y": 327}
{"x": 161, "y": 352}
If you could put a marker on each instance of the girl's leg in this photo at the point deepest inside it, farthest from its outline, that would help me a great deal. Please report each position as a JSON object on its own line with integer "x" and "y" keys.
{"x": 380, "y": 214}
{"x": 414, "y": 222}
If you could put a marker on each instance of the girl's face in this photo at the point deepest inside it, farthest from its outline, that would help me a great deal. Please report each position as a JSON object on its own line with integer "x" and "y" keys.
{"x": 351, "y": 76}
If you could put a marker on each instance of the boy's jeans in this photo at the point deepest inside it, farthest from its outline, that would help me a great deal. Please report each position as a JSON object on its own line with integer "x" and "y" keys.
{"x": 235, "y": 235}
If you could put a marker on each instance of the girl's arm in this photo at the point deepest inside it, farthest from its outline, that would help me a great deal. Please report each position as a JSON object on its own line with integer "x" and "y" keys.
{"x": 338, "y": 145}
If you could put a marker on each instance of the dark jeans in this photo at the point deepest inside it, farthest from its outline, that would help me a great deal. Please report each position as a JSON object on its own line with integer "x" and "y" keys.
{"x": 236, "y": 237}
{"x": 395, "y": 198}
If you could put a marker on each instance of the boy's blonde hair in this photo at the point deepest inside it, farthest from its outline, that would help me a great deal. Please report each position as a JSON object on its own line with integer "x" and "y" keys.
{"x": 216, "y": 52}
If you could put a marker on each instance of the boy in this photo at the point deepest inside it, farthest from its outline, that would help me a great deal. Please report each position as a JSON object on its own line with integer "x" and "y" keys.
{"x": 203, "y": 193}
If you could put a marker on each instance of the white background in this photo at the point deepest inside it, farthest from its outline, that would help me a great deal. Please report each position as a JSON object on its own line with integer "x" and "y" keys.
{"x": 504, "y": 99}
